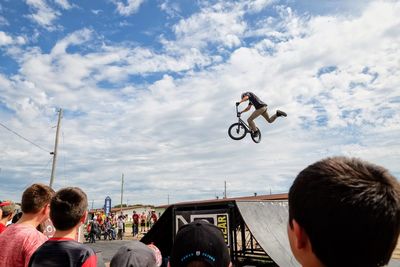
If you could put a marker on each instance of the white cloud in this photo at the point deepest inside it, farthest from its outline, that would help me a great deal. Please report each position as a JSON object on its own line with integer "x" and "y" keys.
{"x": 171, "y": 8}
{"x": 64, "y": 4}
{"x": 44, "y": 15}
{"x": 6, "y": 39}
{"x": 128, "y": 8}
{"x": 259, "y": 5}
{"x": 97, "y": 11}
{"x": 218, "y": 25}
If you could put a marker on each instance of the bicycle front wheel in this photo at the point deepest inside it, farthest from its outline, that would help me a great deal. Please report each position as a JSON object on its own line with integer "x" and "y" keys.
{"x": 237, "y": 131}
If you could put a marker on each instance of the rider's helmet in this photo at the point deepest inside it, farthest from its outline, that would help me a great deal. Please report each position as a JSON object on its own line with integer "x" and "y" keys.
{"x": 243, "y": 95}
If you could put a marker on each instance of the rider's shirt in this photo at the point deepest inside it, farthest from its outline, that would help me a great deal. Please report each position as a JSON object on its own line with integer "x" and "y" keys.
{"x": 254, "y": 100}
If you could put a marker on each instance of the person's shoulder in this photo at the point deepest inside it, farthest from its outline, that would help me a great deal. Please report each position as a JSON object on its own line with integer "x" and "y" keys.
{"x": 70, "y": 245}
{"x": 18, "y": 231}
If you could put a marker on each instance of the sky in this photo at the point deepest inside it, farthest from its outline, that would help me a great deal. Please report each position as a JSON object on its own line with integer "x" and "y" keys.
{"x": 148, "y": 90}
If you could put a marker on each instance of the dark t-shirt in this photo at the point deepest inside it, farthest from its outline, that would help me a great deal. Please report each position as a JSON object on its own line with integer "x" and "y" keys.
{"x": 62, "y": 252}
{"x": 254, "y": 100}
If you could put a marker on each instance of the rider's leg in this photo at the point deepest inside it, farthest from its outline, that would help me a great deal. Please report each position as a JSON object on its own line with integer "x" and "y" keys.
{"x": 268, "y": 118}
{"x": 252, "y": 117}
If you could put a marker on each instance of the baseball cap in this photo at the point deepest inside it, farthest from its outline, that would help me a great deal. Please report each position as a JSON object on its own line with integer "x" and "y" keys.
{"x": 4, "y": 203}
{"x": 8, "y": 207}
{"x": 200, "y": 241}
{"x": 135, "y": 254}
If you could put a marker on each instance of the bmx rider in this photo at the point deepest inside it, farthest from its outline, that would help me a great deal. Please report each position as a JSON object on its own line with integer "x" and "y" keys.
{"x": 261, "y": 109}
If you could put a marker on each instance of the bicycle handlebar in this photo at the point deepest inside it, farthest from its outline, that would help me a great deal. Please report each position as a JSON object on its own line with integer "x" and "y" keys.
{"x": 237, "y": 112}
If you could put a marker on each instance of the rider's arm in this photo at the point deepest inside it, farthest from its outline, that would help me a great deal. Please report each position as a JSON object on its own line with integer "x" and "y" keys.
{"x": 245, "y": 98}
{"x": 246, "y": 109}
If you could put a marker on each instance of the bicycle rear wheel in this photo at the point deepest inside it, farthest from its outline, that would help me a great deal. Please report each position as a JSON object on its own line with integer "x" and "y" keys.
{"x": 256, "y": 139}
{"x": 237, "y": 131}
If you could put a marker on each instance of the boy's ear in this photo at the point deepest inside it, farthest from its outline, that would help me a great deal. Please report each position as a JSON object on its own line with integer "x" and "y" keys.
{"x": 301, "y": 240}
{"x": 46, "y": 209}
{"x": 83, "y": 219}
{"x": 10, "y": 216}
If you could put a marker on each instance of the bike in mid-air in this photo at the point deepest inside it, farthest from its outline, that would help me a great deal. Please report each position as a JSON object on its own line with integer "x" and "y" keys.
{"x": 238, "y": 130}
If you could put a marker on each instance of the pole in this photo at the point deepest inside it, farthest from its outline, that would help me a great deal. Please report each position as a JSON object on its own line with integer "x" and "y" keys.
{"x": 122, "y": 190}
{"x": 53, "y": 169}
{"x": 224, "y": 189}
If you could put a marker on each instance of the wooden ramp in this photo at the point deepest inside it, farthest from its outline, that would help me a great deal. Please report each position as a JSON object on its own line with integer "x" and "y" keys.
{"x": 267, "y": 222}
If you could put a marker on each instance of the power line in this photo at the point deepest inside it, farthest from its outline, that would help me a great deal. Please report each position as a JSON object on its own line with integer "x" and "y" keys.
{"x": 17, "y": 134}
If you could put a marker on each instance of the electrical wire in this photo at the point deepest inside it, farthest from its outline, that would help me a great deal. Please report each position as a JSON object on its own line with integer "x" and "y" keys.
{"x": 41, "y": 173}
{"x": 26, "y": 139}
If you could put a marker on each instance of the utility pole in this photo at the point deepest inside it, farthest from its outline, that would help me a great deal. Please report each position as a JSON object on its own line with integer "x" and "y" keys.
{"x": 122, "y": 190}
{"x": 54, "y": 153}
{"x": 224, "y": 189}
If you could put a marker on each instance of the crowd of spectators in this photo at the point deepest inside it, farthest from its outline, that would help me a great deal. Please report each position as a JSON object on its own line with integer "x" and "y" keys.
{"x": 342, "y": 212}
{"x": 112, "y": 226}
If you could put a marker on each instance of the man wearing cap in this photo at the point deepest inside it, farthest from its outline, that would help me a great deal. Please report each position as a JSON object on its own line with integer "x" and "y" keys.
{"x": 135, "y": 254}
{"x": 7, "y": 209}
{"x": 199, "y": 244}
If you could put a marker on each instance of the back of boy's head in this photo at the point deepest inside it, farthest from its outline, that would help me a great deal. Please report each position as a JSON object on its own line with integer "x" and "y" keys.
{"x": 350, "y": 210}
{"x": 35, "y": 198}
{"x": 67, "y": 207}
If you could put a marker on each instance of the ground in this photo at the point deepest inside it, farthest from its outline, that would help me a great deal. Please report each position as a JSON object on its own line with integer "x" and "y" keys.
{"x": 106, "y": 248}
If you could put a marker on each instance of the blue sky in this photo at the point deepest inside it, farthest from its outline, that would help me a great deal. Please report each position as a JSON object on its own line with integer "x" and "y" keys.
{"x": 148, "y": 89}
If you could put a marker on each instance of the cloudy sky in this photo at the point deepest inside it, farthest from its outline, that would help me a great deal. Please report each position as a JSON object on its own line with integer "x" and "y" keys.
{"x": 148, "y": 90}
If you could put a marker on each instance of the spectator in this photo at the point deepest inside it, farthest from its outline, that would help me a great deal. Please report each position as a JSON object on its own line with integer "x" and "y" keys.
{"x": 16, "y": 217}
{"x": 109, "y": 228}
{"x": 1, "y": 211}
{"x": 199, "y": 244}
{"x": 123, "y": 221}
{"x": 153, "y": 218}
{"x": 20, "y": 240}
{"x": 7, "y": 213}
{"x": 93, "y": 231}
{"x": 120, "y": 226}
{"x": 143, "y": 219}
{"x": 68, "y": 210}
{"x": 344, "y": 212}
{"x": 134, "y": 254}
{"x": 135, "y": 223}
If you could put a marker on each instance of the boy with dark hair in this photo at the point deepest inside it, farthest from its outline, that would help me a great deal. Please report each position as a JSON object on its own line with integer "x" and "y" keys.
{"x": 344, "y": 212}
{"x": 68, "y": 210}
{"x": 20, "y": 240}
{"x": 199, "y": 244}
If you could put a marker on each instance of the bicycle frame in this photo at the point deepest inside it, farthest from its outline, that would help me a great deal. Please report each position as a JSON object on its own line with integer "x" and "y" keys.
{"x": 242, "y": 121}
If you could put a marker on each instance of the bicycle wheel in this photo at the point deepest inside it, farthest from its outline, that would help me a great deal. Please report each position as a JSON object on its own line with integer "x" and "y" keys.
{"x": 256, "y": 139}
{"x": 237, "y": 131}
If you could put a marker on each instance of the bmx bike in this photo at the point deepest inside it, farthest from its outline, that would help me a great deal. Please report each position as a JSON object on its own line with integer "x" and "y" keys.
{"x": 240, "y": 129}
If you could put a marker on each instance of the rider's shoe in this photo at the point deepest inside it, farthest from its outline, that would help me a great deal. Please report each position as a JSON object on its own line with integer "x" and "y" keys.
{"x": 255, "y": 133}
{"x": 280, "y": 113}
